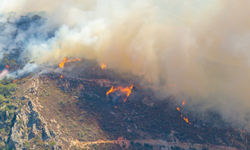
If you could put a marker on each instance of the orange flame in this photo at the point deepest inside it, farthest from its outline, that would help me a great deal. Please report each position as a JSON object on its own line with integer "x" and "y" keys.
{"x": 61, "y": 65}
{"x": 61, "y": 76}
{"x": 178, "y": 109}
{"x": 126, "y": 90}
{"x": 149, "y": 81}
{"x": 7, "y": 66}
{"x": 183, "y": 103}
{"x": 14, "y": 81}
{"x": 103, "y": 66}
{"x": 186, "y": 119}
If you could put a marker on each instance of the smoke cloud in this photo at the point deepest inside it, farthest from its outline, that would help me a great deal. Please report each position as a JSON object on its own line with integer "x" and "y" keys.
{"x": 201, "y": 47}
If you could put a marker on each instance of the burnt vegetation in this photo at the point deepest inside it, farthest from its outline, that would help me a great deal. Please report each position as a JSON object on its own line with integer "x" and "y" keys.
{"x": 77, "y": 105}
{"x": 97, "y": 118}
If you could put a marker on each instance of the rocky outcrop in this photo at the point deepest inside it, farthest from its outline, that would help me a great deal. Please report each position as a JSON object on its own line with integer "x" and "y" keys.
{"x": 28, "y": 122}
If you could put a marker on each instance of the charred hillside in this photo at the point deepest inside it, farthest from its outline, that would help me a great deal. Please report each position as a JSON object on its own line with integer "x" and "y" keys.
{"x": 71, "y": 110}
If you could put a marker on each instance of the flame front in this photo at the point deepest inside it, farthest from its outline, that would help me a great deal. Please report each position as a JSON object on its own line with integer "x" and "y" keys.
{"x": 126, "y": 90}
{"x": 61, "y": 76}
{"x": 183, "y": 103}
{"x": 61, "y": 65}
{"x": 186, "y": 119}
{"x": 103, "y": 66}
{"x": 7, "y": 66}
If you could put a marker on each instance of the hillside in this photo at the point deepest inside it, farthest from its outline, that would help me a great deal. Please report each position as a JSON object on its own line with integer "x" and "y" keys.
{"x": 62, "y": 111}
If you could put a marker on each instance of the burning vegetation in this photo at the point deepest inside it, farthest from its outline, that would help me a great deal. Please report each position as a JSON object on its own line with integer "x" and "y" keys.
{"x": 7, "y": 66}
{"x": 184, "y": 118}
{"x": 61, "y": 65}
{"x": 103, "y": 66}
{"x": 123, "y": 92}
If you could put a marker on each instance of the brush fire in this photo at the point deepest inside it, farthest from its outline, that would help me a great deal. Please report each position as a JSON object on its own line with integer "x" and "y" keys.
{"x": 103, "y": 66}
{"x": 184, "y": 72}
{"x": 61, "y": 65}
{"x": 7, "y": 66}
{"x": 120, "y": 93}
{"x": 184, "y": 118}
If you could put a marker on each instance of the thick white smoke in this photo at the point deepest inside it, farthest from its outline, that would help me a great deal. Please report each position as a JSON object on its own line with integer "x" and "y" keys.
{"x": 200, "y": 46}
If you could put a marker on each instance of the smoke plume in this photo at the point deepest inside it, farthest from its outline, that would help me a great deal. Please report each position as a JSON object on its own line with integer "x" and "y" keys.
{"x": 201, "y": 47}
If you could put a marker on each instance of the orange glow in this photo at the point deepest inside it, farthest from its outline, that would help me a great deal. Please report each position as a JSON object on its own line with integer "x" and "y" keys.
{"x": 14, "y": 81}
{"x": 183, "y": 103}
{"x": 103, "y": 66}
{"x": 178, "y": 109}
{"x": 61, "y": 65}
{"x": 116, "y": 107}
{"x": 126, "y": 90}
{"x": 61, "y": 76}
{"x": 186, "y": 119}
{"x": 7, "y": 66}
{"x": 149, "y": 80}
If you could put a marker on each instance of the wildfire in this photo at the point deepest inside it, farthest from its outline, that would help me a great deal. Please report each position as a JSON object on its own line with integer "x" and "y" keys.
{"x": 183, "y": 103}
{"x": 61, "y": 76}
{"x": 7, "y": 67}
{"x": 61, "y": 65}
{"x": 184, "y": 118}
{"x": 126, "y": 90}
{"x": 149, "y": 81}
{"x": 103, "y": 66}
{"x": 14, "y": 81}
{"x": 178, "y": 109}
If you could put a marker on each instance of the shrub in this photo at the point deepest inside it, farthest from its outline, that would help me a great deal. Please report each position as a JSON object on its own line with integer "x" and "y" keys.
{"x": 52, "y": 143}
{"x": 26, "y": 144}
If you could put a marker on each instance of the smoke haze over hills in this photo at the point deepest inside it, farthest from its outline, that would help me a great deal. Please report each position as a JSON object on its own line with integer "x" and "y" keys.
{"x": 201, "y": 47}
